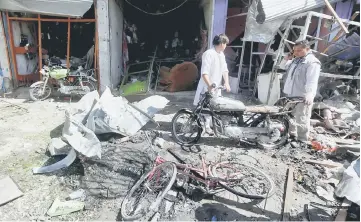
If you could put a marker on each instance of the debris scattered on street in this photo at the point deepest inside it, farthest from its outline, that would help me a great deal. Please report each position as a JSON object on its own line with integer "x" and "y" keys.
{"x": 61, "y": 208}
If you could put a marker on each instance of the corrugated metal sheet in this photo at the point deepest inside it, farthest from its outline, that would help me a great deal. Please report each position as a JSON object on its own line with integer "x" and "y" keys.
{"x": 274, "y": 9}
{"x": 73, "y": 8}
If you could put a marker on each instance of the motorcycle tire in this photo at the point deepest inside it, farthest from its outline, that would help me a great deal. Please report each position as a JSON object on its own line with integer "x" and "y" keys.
{"x": 33, "y": 96}
{"x": 174, "y": 133}
{"x": 284, "y": 138}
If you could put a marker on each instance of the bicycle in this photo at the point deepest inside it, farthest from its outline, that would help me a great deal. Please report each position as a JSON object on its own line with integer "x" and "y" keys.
{"x": 155, "y": 184}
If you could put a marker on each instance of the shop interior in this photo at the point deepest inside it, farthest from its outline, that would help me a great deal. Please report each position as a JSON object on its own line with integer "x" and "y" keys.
{"x": 54, "y": 43}
{"x": 165, "y": 55}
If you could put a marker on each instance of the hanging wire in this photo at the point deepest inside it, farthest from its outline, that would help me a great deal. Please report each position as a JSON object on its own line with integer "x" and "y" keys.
{"x": 160, "y": 13}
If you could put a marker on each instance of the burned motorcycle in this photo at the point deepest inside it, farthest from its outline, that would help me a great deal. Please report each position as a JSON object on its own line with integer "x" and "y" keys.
{"x": 260, "y": 125}
{"x": 78, "y": 82}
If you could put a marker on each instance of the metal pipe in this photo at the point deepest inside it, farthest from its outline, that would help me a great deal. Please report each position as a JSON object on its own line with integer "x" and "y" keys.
{"x": 240, "y": 65}
{"x": 318, "y": 30}
{"x": 333, "y": 43}
{"x": 237, "y": 15}
{"x": 250, "y": 66}
{"x": 307, "y": 25}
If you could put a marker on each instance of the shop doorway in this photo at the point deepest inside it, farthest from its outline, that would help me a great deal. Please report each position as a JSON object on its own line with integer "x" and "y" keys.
{"x": 35, "y": 39}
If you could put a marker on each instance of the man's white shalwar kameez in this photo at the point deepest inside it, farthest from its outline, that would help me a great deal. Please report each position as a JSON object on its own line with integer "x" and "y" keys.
{"x": 214, "y": 65}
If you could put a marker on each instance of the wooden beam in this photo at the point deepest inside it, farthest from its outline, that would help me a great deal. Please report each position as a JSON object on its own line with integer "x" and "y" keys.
{"x": 40, "y": 47}
{"x": 340, "y": 33}
{"x": 68, "y": 46}
{"x": 50, "y": 19}
{"x": 338, "y": 19}
{"x": 329, "y": 164}
{"x": 12, "y": 46}
{"x": 287, "y": 197}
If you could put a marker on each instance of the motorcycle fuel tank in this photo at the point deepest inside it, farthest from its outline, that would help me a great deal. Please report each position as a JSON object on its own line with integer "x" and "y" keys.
{"x": 58, "y": 73}
{"x": 226, "y": 104}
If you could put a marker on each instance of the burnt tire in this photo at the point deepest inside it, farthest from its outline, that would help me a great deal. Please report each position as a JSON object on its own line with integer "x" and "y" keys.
{"x": 192, "y": 118}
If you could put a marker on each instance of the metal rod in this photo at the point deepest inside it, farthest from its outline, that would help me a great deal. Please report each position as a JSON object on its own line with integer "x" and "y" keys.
{"x": 238, "y": 15}
{"x": 151, "y": 68}
{"x": 50, "y": 20}
{"x": 340, "y": 33}
{"x": 319, "y": 23}
{"x": 68, "y": 46}
{"x": 307, "y": 25}
{"x": 333, "y": 43}
{"x": 240, "y": 65}
{"x": 261, "y": 67}
{"x": 40, "y": 46}
{"x": 278, "y": 57}
{"x": 317, "y": 14}
{"x": 250, "y": 66}
{"x": 338, "y": 19}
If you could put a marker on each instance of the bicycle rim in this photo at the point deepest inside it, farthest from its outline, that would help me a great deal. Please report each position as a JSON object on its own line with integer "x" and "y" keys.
{"x": 243, "y": 180}
{"x": 146, "y": 195}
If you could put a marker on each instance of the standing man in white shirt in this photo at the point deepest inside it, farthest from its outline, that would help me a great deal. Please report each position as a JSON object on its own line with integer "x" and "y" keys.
{"x": 302, "y": 79}
{"x": 214, "y": 67}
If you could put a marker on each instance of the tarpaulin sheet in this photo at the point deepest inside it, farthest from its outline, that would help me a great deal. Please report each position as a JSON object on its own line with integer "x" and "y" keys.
{"x": 72, "y": 8}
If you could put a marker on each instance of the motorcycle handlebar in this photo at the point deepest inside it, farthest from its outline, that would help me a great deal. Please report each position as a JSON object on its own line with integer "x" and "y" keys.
{"x": 214, "y": 86}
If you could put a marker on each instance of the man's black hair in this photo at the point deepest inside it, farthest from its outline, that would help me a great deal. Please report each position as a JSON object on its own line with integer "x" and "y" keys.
{"x": 220, "y": 39}
{"x": 303, "y": 43}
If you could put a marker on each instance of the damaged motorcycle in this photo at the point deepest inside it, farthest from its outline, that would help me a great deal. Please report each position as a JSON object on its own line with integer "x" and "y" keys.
{"x": 261, "y": 125}
{"x": 58, "y": 77}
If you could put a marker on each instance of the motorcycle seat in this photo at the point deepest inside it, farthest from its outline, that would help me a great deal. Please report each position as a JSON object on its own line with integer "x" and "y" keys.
{"x": 262, "y": 109}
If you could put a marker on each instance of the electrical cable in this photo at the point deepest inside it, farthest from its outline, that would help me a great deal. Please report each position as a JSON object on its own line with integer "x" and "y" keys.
{"x": 160, "y": 13}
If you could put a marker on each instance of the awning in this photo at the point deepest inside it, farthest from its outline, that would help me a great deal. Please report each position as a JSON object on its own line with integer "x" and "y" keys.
{"x": 72, "y": 8}
{"x": 269, "y": 10}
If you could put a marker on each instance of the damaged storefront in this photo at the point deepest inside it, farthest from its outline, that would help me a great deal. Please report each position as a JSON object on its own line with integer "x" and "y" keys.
{"x": 38, "y": 33}
{"x": 153, "y": 46}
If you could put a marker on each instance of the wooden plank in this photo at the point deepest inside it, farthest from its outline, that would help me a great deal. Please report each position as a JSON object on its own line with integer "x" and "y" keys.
{"x": 342, "y": 213}
{"x": 338, "y": 19}
{"x": 329, "y": 164}
{"x": 287, "y": 197}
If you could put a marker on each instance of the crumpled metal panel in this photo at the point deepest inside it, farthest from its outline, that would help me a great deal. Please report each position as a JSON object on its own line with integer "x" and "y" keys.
{"x": 270, "y": 10}
{"x": 72, "y": 8}
{"x": 257, "y": 32}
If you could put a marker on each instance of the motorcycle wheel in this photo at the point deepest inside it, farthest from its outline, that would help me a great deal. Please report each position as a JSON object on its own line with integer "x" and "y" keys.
{"x": 194, "y": 124}
{"x": 282, "y": 138}
{"x": 90, "y": 84}
{"x": 36, "y": 93}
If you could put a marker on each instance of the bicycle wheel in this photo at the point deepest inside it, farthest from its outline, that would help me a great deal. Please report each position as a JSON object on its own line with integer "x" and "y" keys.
{"x": 146, "y": 195}
{"x": 186, "y": 129}
{"x": 243, "y": 180}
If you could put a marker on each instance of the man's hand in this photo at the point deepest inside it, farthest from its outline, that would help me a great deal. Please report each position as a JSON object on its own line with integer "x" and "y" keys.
{"x": 210, "y": 88}
{"x": 228, "y": 88}
{"x": 309, "y": 99}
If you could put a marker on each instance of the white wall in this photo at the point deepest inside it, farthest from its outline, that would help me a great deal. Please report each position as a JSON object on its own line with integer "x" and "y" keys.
{"x": 4, "y": 62}
{"x": 110, "y": 36}
{"x": 116, "y": 19}
{"x": 103, "y": 43}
